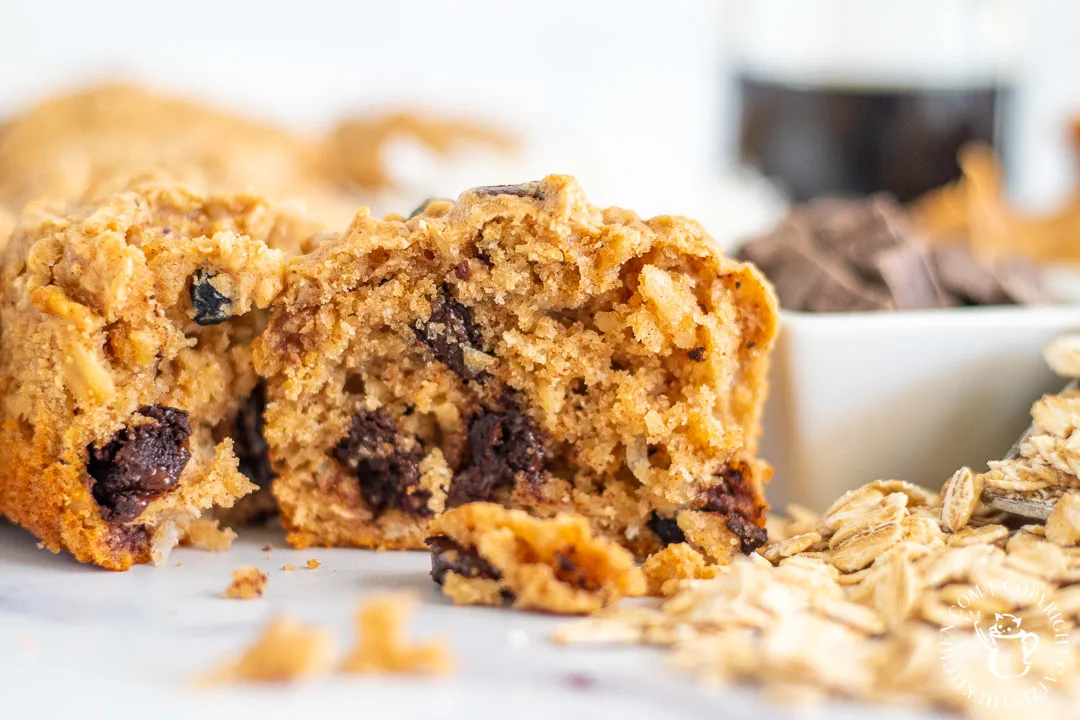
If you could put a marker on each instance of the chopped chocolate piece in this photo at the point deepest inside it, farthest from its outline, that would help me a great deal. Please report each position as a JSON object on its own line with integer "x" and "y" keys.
{"x": 389, "y": 475}
{"x": 696, "y": 354}
{"x": 462, "y": 271}
{"x": 967, "y": 279}
{"x": 447, "y": 555}
{"x": 858, "y": 231}
{"x": 834, "y": 255}
{"x": 909, "y": 275}
{"x": 737, "y": 502}
{"x": 667, "y": 529}
{"x": 140, "y": 463}
{"x": 449, "y": 331}
{"x": 1021, "y": 281}
{"x": 505, "y": 450}
{"x": 210, "y": 306}
{"x": 525, "y": 190}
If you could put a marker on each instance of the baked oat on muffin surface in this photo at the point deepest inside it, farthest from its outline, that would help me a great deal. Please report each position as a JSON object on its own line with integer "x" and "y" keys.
{"x": 524, "y": 347}
{"x": 126, "y": 327}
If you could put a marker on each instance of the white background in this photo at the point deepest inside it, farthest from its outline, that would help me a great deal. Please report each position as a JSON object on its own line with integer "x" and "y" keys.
{"x": 637, "y": 82}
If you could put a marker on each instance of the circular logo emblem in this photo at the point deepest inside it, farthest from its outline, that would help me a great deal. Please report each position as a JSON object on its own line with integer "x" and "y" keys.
{"x": 1004, "y": 659}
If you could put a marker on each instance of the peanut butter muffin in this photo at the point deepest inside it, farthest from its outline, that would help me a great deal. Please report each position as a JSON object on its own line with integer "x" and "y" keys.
{"x": 125, "y": 360}
{"x": 526, "y": 348}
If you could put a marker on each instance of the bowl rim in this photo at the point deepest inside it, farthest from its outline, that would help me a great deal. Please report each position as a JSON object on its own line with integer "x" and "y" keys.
{"x": 980, "y": 316}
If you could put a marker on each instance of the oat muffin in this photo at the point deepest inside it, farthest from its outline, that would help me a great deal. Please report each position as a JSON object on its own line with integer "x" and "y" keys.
{"x": 522, "y": 347}
{"x": 125, "y": 359}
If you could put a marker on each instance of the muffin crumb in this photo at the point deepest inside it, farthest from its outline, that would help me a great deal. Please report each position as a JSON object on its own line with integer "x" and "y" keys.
{"x": 248, "y": 583}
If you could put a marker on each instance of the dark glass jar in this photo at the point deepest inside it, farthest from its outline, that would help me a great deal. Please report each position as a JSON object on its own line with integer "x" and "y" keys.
{"x": 853, "y": 97}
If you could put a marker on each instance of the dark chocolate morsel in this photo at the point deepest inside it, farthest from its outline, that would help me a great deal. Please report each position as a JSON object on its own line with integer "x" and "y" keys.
{"x": 210, "y": 306}
{"x": 249, "y": 438}
{"x": 389, "y": 474}
{"x": 667, "y": 529}
{"x": 734, "y": 499}
{"x": 696, "y": 354}
{"x": 448, "y": 555}
{"x": 505, "y": 449}
{"x": 142, "y": 462}
{"x": 448, "y": 331}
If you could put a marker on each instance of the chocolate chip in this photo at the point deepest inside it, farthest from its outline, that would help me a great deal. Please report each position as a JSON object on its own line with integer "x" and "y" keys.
{"x": 667, "y": 529}
{"x": 388, "y": 473}
{"x": 462, "y": 271}
{"x": 249, "y": 439}
{"x": 211, "y": 307}
{"x": 141, "y": 462}
{"x": 505, "y": 449}
{"x": 696, "y": 354}
{"x": 448, "y": 555}
{"x": 449, "y": 331}
{"x": 524, "y": 190}
{"x": 734, "y": 499}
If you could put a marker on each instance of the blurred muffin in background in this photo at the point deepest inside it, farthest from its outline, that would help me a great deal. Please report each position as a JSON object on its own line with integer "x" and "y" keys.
{"x": 95, "y": 140}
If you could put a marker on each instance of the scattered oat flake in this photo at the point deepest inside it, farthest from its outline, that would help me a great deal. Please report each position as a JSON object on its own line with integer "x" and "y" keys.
{"x": 286, "y": 651}
{"x": 381, "y": 643}
{"x": 862, "y": 602}
{"x": 313, "y": 564}
{"x": 288, "y": 568}
{"x": 248, "y": 583}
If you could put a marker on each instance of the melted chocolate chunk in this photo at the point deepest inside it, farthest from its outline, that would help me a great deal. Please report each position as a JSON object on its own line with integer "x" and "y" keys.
{"x": 249, "y": 438}
{"x": 211, "y": 307}
{"x": 736, "y": 500}
{"x": 696, "y": 354}
{"x": 667, "y": 529}
{"x": 525, "y": 190}
{"x": 140, "y": 463}
{"x": 389, "y": 475}
{"x": 448, "y": 555}
{"x": 447, "y": 333}
{"x": 505, "y": 448}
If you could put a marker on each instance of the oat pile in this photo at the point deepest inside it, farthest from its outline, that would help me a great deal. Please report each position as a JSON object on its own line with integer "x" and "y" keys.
{"x": 1045, "y": 465}
{"x": 896, "y": 594}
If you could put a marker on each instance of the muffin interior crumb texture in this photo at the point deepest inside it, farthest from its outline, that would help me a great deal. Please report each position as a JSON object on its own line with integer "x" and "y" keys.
{"x": 127, "y": 326}
{"x": 523, "y": 347}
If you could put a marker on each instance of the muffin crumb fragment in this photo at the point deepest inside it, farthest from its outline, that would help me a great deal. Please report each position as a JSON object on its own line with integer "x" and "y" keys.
{"x": 381, "y": 645}
{"x": 248, "y": 583}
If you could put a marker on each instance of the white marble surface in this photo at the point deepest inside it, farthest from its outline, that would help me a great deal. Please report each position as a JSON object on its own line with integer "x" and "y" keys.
{"x": 76, "y": 641}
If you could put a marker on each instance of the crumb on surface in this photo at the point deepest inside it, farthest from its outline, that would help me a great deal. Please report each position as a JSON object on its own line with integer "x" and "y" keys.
{"x": 248, "y": 583}
{"x": 288, "y": 568}
{"x": 381, "y": 644}
{"x": 267, "y": 547}
{"x": 205, "y": 534}
{"x": 285, "y": 651}
{"x": 313, "y": 564}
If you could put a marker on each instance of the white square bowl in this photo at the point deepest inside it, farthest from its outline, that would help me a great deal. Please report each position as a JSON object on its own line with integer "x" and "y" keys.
{"x": 857, "y": 397}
